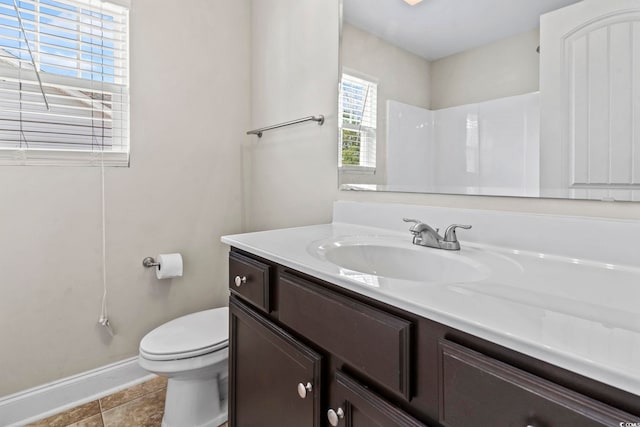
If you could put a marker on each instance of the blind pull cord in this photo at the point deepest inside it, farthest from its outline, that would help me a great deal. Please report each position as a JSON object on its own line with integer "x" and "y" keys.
{"x": 104, "y": 315}
{"x": 33, "y": 61}
{"x": 364, "y": 107}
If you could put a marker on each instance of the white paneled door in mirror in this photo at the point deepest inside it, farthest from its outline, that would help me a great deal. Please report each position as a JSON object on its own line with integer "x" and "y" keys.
{"x": 590, "y": 86}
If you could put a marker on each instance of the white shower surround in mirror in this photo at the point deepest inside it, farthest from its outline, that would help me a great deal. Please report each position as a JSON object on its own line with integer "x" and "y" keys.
{"x": 470, "y": 149}
{"x": 490, "y": 132}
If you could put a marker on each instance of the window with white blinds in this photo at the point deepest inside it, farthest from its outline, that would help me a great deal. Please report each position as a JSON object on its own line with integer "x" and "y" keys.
{"x": 358, "y": 110}
{"x": 64, "y": 82}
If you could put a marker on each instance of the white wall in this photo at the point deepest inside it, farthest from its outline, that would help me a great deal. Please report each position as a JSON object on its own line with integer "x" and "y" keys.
{"x": 189, "y": 99}
{"x": 284, "y": 194}
{"x": 401, "y": 76}
{"x": 505, "y": 68}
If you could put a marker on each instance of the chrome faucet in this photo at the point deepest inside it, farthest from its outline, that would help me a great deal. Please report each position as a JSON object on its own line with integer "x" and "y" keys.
{"x": 424, "y": 235}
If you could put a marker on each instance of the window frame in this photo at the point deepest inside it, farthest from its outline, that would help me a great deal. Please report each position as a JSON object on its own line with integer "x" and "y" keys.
{"x": 69, "y": 157}
{"x": 373, "y": 131}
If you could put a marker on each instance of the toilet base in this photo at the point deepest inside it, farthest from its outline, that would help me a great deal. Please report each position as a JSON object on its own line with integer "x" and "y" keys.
{"x": 216, "y": 422}
{"x": 194, "y": 403}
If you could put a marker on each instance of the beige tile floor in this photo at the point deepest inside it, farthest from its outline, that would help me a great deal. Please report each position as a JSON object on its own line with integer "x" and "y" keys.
{"x": 139, "y": 406}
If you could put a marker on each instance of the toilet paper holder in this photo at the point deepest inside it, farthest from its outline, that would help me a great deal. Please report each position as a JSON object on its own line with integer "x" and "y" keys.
{"x": 167, "y": 266}
{"x": 149, "y": 262}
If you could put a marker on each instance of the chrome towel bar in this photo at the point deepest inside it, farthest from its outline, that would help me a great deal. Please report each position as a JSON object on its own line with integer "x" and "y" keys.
{"x": 319, "y": 119}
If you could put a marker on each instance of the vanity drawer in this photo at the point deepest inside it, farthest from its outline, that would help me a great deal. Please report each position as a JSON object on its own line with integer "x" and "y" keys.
{"x": 371, "y": 341}
{"x": 249, "y": 279}
{"x": 360, "y": 407}
{"x": 478, "y": 390}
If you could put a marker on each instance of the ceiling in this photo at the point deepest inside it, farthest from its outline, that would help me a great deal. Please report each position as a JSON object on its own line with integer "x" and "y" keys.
{"x": 434, "y": 29}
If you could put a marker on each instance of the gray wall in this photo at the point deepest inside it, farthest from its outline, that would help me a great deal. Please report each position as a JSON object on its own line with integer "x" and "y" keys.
{"x": 189, "y": 101}
{"x": 507, "y": 67}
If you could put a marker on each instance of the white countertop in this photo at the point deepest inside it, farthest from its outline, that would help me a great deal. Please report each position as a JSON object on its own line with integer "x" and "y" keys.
{"x": 577, "y": 314}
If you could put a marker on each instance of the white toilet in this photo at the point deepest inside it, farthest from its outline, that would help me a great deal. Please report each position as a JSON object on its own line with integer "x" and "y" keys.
{"x": 192, "y": 352}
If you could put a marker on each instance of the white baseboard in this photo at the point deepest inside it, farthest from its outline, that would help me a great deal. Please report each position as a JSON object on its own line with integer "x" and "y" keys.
{"x": 58, "y": 396}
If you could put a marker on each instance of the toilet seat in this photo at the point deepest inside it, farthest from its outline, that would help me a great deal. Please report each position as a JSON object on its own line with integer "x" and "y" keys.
{"x": 188, "y": 336}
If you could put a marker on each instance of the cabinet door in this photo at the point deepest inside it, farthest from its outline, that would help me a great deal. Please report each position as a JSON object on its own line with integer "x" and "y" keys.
{"x": 266, "y": 367}
{"x": 354, "y": 405}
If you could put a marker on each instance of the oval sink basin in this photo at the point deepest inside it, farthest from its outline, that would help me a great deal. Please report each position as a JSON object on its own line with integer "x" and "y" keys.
{"x": 391, "y": 258}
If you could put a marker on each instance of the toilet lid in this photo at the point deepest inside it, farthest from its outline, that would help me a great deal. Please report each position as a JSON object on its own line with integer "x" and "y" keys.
{"x": 188, "y": 336}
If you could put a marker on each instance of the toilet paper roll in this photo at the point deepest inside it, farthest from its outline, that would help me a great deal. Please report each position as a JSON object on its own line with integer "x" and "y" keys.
{"x": 170, "y": 266}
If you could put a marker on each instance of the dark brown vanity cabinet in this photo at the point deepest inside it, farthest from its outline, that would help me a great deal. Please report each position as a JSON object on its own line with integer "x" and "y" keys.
{"x": 304, "y": 352}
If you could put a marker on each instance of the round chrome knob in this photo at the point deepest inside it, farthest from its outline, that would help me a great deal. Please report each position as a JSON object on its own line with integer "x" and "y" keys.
{"x": 303, "y": 389}
{"x": 334, "y": 417}
{"x": 240, "y": 280}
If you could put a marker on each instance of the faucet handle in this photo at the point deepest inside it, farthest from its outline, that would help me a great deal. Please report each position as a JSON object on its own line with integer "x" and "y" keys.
{"x": 417, "y": 224}
{"x": 414, "y": 227}
{"x": 450, "y": 232}
{"x": 415, "y": 221}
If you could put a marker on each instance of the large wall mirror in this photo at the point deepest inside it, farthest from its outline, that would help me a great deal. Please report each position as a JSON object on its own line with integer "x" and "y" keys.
{"x": 528, "y": 98}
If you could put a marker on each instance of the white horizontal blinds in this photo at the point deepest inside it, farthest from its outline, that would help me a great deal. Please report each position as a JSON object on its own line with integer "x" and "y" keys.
{"x": 80, "y": 50}
{"x": 358, "y": 110}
